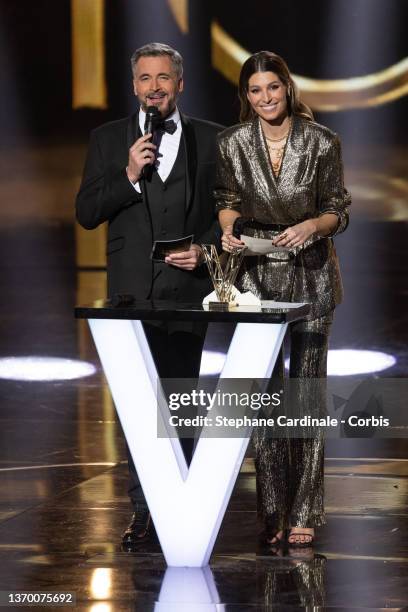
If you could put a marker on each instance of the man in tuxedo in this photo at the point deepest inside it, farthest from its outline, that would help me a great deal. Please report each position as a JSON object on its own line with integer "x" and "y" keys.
{"x": 151, "y": 189}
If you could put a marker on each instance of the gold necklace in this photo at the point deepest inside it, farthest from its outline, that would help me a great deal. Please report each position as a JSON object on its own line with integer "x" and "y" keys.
{"x": 282, "y": 137}
{"x": 277, "y": 139}
{"x": 276, "y": 164}
{"x": 271, "y": 148}
{"x": 277, "y": 152}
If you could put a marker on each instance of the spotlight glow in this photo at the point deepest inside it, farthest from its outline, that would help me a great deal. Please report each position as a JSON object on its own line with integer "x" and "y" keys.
{"x": 44, "y": 368}
{"x": 347, "y": 362}
{"x": 101, "y": 583}
{"x": 341, "y": 362}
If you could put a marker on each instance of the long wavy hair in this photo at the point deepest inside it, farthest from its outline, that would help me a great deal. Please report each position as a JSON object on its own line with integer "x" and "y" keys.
{"x": 266, "y": 61}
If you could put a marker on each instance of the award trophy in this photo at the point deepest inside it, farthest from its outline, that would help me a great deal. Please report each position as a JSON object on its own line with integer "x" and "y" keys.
{"x": 223, "y": 279}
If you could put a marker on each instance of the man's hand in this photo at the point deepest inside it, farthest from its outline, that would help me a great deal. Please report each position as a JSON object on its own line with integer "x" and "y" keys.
{"x": 141, "y": 153}
{"x": 296, "y": 235}
{"x": 186, "y": 260}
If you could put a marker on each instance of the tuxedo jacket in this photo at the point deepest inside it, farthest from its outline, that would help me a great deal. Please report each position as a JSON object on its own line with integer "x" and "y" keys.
{"x": 310, "y": 183}
{"x": 106, "y": 195}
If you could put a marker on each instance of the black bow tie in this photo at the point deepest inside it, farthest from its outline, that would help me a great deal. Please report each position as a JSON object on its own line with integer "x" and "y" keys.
{"x": 168, "y": 126}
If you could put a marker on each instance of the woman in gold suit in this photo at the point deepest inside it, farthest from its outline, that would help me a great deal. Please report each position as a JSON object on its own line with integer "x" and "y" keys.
{"x": 280, "y": 176}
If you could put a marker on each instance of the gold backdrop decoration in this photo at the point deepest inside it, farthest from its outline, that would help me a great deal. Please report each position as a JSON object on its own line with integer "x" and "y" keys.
{"x": 88, "y": 54}
{"x": 179, "y": 8}
{"x": 321, "y": 95}
{"x": 88, "y": 61}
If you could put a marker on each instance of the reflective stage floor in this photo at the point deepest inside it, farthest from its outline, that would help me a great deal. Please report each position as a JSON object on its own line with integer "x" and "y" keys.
{"x": 63, "y": 476}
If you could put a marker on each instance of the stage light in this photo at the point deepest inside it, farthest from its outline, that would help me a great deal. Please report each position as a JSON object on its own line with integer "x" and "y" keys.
{"x": 101, "y": 583}
{"x": 33, "y": 368}
{"x": 342, "y": 362}
{"x": 101, "y": 607}
{"x": 347, "y": 362}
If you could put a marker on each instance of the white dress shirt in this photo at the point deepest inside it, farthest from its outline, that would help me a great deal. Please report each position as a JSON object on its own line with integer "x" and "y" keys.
{"x": 168, "y": 147}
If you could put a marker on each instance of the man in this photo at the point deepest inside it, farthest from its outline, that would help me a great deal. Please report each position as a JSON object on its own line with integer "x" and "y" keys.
{"x": 149, "y": 190}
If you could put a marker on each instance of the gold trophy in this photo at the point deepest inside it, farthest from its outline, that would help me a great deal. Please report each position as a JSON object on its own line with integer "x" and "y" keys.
{"x": 223, "y": 279}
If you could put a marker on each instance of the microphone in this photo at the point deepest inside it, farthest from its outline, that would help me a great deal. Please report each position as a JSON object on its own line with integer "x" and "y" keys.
{"x": 152, "y": 117}
{"x": 122, "y": 299}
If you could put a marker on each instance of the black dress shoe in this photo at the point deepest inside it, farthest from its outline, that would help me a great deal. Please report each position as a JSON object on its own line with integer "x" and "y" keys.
{"x": 140, "y": 529}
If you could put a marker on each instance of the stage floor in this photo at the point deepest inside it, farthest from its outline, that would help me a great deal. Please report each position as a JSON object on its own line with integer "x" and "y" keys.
{"x": 63, "y": 476}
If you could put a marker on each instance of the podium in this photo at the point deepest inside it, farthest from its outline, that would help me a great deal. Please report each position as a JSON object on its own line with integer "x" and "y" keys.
{"x": 187, "y": 503}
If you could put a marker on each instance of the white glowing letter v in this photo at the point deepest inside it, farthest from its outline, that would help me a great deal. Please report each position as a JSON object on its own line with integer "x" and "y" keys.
{"x": 187, "y": 504}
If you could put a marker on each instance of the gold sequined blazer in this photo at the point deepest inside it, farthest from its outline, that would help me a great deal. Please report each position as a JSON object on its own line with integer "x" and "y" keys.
{"x": 309, "y": 184}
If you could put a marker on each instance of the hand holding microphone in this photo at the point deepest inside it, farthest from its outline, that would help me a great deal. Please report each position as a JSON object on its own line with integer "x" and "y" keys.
{"x": 142, "y": 152}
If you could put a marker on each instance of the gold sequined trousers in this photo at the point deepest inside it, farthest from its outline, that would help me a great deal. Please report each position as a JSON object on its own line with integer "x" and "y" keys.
{"x": 289, "y": 471}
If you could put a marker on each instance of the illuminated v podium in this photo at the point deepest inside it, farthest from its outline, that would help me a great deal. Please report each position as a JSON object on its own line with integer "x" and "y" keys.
{"x": 187, "y": 503}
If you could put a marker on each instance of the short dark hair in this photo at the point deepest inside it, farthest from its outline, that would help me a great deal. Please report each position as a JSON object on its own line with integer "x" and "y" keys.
{"x": 266, "y": 61}
{"x": 156, "y": 49}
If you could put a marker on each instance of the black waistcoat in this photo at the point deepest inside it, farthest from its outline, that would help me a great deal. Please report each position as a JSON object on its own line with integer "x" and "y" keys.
{"x": 167, "y": 204}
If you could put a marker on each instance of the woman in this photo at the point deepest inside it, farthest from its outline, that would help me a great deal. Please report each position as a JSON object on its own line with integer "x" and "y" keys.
{"x": 280, "y": 176}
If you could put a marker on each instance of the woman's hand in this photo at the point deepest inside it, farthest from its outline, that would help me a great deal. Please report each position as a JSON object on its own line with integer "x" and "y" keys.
{"x": 228, "y": 241}
{"x": 296, "y": 235}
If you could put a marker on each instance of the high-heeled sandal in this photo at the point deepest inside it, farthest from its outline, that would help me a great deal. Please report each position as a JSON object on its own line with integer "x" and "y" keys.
{"x": 306, "y": 544}
{"x": 275, "y": 540}
{"x": 271, "y": 533}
